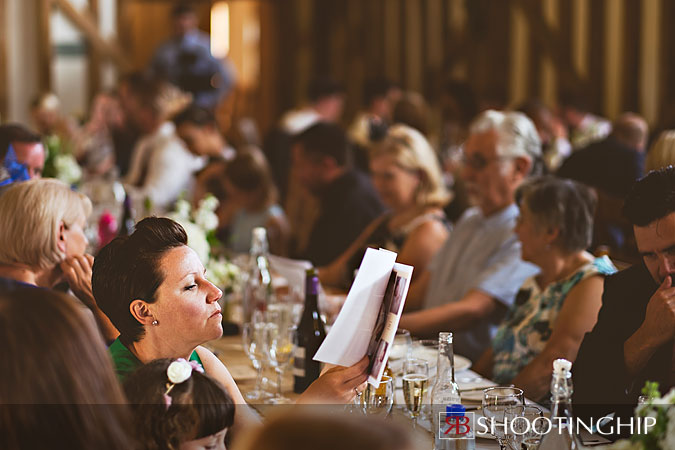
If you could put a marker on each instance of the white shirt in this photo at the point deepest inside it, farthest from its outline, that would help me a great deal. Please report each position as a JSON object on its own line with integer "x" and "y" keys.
{"x": 163, "y": 165}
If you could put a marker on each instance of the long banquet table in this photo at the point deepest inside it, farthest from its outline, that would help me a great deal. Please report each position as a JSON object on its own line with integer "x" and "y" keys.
{"x": 230, "y": 351}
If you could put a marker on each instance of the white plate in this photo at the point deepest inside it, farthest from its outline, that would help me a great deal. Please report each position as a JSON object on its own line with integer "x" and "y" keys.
{"x": 431, "y": 356}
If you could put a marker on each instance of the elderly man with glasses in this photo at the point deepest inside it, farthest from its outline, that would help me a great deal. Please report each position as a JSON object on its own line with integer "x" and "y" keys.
{"x": 474, "y": 278}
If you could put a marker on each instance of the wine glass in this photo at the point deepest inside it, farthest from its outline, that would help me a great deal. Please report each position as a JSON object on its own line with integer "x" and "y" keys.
{"x": 415, "y": 384}
{"x": 524, "y": 430}
{"x": 279, "y": 349}
{"x": 495, "y": 402}
{"x": 253, "y": 336}
{"x": 378, "y": 400}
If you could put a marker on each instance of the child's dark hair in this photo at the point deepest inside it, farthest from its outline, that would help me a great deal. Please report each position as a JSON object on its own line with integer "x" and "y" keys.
{"x": 199, "y": 406}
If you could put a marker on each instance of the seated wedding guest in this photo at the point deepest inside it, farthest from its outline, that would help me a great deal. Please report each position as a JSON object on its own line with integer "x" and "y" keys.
{"x": 407, "y": 176}
{"x": 552, "y": 132}
{"x": 662, "y": 152}
{"x": 50, "y": 120}
{"x": 473, "y": 279}
{"x": 313, "y": 429}
{"x": 252, "y": 200}
{"x": 413, "y": 110}
{"x": 554, "y": 309}
{"x": 176, "y": 406}
{"x": 614, "y": 163}
{"x": 325, "y": 104}
{"x": 347, "y": 200}
{"x": 161, "y": 167}
{"x": 57, "y": 385}
{"x": 22, "y": 154}
{"x": 153, "y": 288}
{"x": 633, "y": 340}
{"x": 370, "y": 124}
{"x": 584, "y": 127}
{"x": 42, "y": 242}
{"x": 95, "y": 143}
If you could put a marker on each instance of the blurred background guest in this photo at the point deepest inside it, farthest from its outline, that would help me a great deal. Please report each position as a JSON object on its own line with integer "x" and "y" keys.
{"x": 195, "y": 413}
{"x": 57, "y": 385}
{"x": 584, "y": 128}
{"x": 185, "y": 60}
{"x": 554, "y": 309}
{"x": 370, "y": 125}
{"x": 407, "y": 177}
{"x": 552, "y": 132}
{"x": 662, "y": 152}
{"x": 161, "y": 167}
{"x": 55, "y": 250}
{"x": 22, "y": 154}
{"x": 252, "y": 202}
{"x": 348, "y": 202}
{"x": 50, "y": 120}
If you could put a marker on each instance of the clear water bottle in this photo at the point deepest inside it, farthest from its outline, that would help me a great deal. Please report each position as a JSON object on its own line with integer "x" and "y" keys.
{"x": 258, "y": 289}
{"x": 454, "y": 431}
{"x": 563, "y": 433}
{"x": 445, "y": 391}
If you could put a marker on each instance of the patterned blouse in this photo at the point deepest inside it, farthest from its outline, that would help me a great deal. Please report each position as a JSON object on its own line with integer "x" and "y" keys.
{"x": 528, "y": 325}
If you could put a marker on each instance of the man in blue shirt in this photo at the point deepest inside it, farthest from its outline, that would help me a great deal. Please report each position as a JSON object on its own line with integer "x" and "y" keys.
{"x": 185, "y": 60}
{"x": 475, "y": 276}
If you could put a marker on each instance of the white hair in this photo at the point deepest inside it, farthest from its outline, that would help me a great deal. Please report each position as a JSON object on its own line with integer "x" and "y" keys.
{"x": 516, "y": 134}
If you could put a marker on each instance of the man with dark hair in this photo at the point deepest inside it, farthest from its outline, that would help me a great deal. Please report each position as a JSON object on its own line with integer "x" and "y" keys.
{"x": 197, "y": 127}
{"x": 185, "y": 60}
{"x": 632, "y": 341}
{"x": 348, "y": 202}
{"x": 22, "y": 154}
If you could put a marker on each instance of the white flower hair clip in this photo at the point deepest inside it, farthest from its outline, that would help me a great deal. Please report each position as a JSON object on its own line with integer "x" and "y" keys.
{"x": 178, "y": 372}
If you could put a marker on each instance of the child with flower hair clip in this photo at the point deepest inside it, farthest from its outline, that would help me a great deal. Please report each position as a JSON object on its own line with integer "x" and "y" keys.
{"x": 178, "y": 407}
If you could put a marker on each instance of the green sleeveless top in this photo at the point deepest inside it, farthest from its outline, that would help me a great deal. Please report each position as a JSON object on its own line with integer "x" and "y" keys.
{"x": 126, "y": 362}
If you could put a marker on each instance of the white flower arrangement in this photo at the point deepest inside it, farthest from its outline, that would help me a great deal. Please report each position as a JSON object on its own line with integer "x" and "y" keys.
{"x": 661, "y": 436}
{"x": 200, "y": 226}
{"x": 60, "y": 162}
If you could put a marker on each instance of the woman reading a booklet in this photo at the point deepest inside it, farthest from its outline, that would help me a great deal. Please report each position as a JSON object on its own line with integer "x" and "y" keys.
{"x": 153, "y": 287}
{"x": 407, "y": 176}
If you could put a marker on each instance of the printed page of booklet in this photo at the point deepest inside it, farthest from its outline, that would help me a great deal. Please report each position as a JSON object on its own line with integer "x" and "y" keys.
{"x": 352, "y": 333}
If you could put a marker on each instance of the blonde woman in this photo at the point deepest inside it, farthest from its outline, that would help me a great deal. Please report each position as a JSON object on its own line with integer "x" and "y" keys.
{"x": 662, "y": 153}
{"x": 42, "y": 241}
{"x": 407, "y": 176}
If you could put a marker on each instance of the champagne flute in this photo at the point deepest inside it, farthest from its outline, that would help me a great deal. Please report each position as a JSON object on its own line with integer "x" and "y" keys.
{"x": 415, "y": 384}
{"x": 279, "y": 349}
{"x": 495, "y": 402}
{"x": 252, "y": 336}
{"x": 378, "y": 400}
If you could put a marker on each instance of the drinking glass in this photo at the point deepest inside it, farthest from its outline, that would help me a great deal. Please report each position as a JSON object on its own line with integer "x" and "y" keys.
{"x": 253, "y": 337}
{"x": 495, "y": 402}
{"x": 279, "y": 349}
{"x": 401, "y": 348}
{"x": 415, "y": 385}
{"x": 524, "y": 430}
{"x": 378, "y": 401}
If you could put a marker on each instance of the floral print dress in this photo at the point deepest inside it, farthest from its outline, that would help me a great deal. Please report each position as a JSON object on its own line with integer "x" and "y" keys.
{"x": 528, "y": 325}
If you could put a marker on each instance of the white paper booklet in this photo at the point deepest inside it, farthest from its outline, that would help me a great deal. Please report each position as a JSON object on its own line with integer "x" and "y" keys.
{"x": 369, "y": 317}
{"x": 293, "y": 270}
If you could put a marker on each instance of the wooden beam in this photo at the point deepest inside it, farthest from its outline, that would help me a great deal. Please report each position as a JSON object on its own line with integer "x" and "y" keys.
{"x": 3, "y": 63}
{"x": 550, "y": 41}
{"x": 44, "y": 45}
{"x": 94, "y": 63}
{"x": 89, "y": 28}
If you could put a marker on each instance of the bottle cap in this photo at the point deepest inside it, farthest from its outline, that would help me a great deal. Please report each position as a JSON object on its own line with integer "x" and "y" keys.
{"x": 561, "y": 366}
{"x": 455, "y": 410}
{"x": 259, "y": 233}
